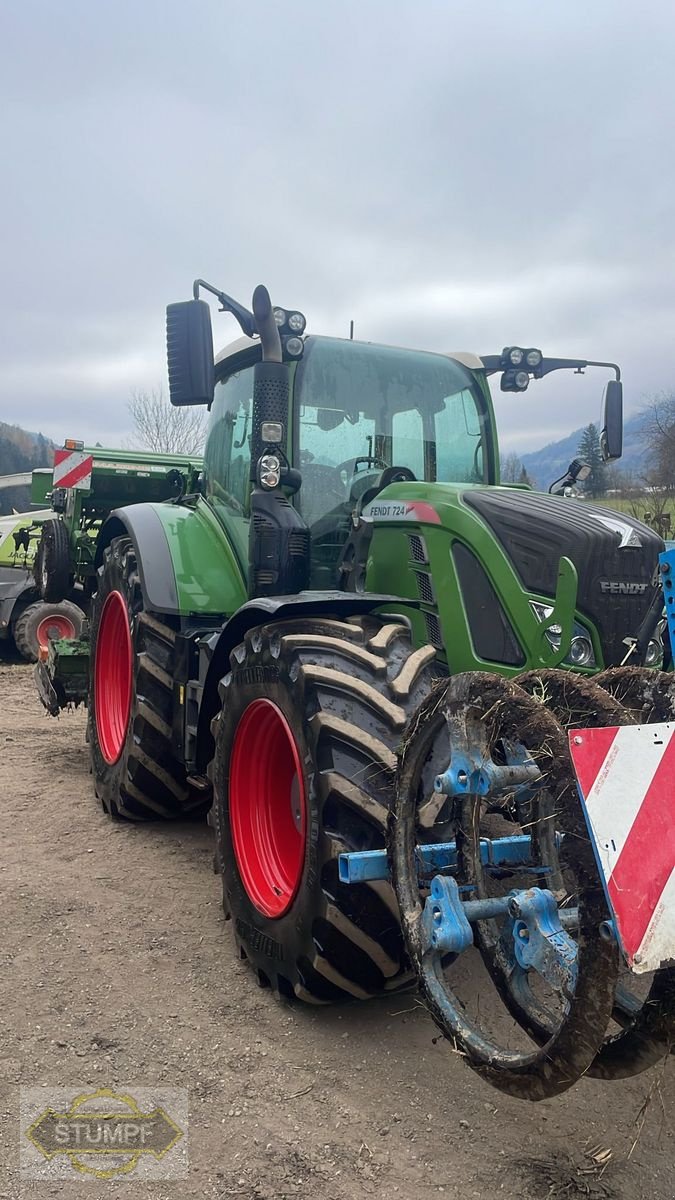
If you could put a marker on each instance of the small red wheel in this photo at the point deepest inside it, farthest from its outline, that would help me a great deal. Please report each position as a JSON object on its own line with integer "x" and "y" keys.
{"x": 54, "y": 627}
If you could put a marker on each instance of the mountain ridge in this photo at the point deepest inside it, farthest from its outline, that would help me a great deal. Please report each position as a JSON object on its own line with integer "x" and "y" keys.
{"x": 549, "y": 463}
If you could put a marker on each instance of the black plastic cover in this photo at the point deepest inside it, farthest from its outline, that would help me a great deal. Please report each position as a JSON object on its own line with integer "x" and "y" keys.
{"x": 279, "y": 545}
{"x": 491, "y": 632}
{"x": 615, "y": 555}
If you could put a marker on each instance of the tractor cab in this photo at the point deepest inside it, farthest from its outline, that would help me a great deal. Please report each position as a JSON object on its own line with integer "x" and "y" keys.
{"x": 362, "y": 416}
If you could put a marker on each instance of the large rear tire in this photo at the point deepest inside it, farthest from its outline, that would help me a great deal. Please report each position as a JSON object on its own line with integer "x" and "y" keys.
{"x": 41, "y": 623}
{"x": 313, "y": 712}
{"x": 137, "y": 774}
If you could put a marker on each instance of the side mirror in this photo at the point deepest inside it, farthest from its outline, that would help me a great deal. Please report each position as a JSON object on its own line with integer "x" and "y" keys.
{"x": 189, "y": 351}
{"x": 611, "y": 421}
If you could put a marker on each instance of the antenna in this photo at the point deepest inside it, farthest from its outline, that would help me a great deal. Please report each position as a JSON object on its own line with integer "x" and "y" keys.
{"x": 351, "y": 331}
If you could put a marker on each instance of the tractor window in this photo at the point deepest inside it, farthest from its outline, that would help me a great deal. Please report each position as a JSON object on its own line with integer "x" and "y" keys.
{"x": 227, "y": 457}
{"x": 361, "y": 407}
{"x": 458, "y": 428}
{"x": 408, "y": 440}
{"x": 228, "y": 448}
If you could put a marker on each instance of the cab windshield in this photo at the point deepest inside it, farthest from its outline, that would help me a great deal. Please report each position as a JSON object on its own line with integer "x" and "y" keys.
{"x": 362, "y": 407}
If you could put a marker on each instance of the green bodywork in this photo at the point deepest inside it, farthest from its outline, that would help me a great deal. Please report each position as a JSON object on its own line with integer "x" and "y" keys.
{"x": 392, "y": 570}
{"x": 210, "y": 578}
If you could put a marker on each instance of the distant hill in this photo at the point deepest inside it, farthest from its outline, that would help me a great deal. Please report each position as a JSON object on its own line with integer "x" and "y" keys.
{"x": 21, "y": 451}
{"x": 547, "y": 464}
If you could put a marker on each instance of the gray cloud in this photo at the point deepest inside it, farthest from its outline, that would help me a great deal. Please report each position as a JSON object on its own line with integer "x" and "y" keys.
{"x": 450, "y": 175}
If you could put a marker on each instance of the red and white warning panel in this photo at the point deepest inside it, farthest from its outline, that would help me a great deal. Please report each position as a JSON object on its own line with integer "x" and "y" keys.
{"x": 626, "y": 779}
{"x": 72, "y": 468}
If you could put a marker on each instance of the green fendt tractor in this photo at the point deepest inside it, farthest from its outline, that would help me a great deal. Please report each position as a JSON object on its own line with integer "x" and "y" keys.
{"x": 327, "y": 629}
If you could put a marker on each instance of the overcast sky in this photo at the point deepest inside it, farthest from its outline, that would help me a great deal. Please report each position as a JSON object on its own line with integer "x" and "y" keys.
{"x": 451, "y": 175}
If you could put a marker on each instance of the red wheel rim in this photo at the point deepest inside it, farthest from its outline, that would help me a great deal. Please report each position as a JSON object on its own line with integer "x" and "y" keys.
{"x": 267, "y": 808}
{"x": 112, "y": 677}
{"x": 51, "y": 628}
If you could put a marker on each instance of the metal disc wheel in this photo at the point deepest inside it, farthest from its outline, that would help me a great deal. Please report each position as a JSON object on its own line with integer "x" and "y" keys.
{"x": 492, "y": 714}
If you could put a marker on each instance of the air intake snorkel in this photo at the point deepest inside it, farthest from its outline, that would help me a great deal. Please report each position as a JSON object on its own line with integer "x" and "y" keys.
{"x": 279, "y": 541}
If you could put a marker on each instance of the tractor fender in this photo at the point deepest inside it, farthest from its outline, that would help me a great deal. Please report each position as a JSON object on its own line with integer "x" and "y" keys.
{"x": 218, "y": 645}
{"x": 187, "y": 561}
{"x": 142, "y": 524}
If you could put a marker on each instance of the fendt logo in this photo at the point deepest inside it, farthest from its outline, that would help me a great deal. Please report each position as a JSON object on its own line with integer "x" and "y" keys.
{"x": 619, "y": 587}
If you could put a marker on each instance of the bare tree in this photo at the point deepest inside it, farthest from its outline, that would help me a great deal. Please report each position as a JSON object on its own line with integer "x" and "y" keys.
{"x": 160, "y": 427}
{"x": 659, "y": 442}
{"x": 511, "y": 469}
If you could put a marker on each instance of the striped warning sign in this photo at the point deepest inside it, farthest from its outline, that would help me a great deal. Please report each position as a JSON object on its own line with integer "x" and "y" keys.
{"x": 626, "y": 779}
{"x": 72, "y": 468}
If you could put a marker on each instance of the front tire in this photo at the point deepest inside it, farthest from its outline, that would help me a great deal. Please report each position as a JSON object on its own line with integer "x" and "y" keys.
{"x": 137, "y": 774}
{"x": 313, "y": 712}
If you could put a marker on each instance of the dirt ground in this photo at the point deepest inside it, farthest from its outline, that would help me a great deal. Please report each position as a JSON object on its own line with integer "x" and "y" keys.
{"x": 117, "y": 968}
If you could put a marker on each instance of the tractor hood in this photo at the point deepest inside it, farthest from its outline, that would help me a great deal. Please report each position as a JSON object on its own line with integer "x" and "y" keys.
{"x": 615, "y": 556}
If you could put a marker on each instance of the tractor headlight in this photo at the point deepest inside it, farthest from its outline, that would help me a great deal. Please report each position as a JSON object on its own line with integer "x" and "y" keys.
{"x": 296, "y": 322}
{"x": 581, "y": 652}
{"x": 294, "y": 347}
{"x": 533, "y": 358}
{"x": 269, "y": 471}
{"x": 654, "y": 655}
{"x": 280, "y": 316}
{"x": 521, "y": 380}
{"x": 515, "y": 356}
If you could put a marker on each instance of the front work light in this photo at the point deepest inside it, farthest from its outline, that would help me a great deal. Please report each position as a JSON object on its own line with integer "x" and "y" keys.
{"x": 296, "y": 322}
{"x": 533, "y": 358}
{"x": 279, "y": 315}
{"x": 272, "y": 432}
{"x": 294, "y": 347}
{"x": 515, "y": 381}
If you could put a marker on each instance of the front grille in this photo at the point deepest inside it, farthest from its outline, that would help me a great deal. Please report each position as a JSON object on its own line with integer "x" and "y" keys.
{"x": 418, "y": 550}
{"x": 434, "y": 630}
{"x": 425, "y": 590}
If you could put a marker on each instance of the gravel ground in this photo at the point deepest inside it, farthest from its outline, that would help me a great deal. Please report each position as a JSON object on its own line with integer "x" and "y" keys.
{"x": 118, "y": 970}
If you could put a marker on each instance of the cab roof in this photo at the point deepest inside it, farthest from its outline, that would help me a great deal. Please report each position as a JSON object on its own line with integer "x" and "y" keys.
{"x": 242, "y": 345}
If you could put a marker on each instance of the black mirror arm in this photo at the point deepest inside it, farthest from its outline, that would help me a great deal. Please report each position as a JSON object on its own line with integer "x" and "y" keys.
{"x": 493, "y": 363}
{"x": 243, "y": 316}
